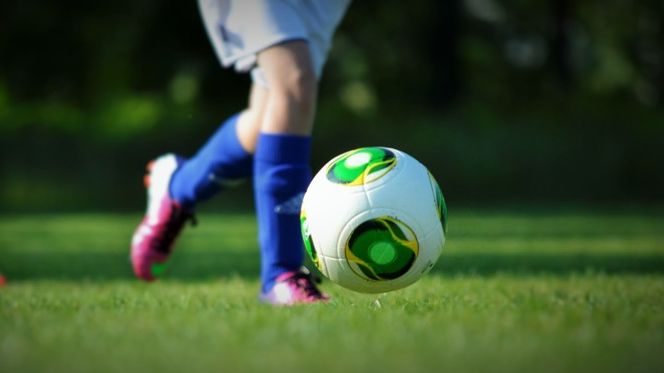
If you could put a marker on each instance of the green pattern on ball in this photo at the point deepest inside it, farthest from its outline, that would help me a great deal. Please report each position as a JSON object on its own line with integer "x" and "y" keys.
{"x": 308, "y": 241}
{"x": 441, "y": 206}
{"x": 382, "y": 253}
{"x": 361, "y": 166}
{"x": 379, "y": 249}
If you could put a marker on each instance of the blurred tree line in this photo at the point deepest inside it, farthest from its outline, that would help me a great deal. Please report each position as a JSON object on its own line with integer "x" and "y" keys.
{"x": 515, "y": 100}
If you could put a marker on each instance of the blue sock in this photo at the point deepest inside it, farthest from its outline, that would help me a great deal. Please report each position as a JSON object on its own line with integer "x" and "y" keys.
{"x": 220, "y": 162}
{"x": 281, "y": 176}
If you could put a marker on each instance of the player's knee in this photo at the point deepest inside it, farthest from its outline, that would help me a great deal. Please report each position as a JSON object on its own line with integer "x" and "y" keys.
{"x": 299, "y": 86}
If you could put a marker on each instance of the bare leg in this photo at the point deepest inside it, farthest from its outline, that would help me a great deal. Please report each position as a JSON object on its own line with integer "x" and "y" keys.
{"x": 293, "y": 89}
{"x": 250, "y": 120}
{"x": 288, "y": 104}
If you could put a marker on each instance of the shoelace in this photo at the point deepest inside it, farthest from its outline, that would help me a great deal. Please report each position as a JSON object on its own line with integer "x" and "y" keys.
{"x": 307, "y": 283}
{"x": 170, "y": 230}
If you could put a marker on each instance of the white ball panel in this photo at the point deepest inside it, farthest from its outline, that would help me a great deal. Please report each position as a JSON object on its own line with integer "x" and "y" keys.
{"x": 327, "y": 213}
{"x": 408, "y": 191}
{"x": 434, "y": 241}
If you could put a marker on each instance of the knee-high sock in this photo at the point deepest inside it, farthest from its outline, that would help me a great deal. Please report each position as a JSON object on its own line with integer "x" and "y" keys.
{"x": 220, "y": 162}
{"x": 281, "y": 176}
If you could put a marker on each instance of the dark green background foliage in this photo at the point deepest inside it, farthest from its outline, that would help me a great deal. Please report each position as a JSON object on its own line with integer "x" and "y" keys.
{"x": 503, "y": 101}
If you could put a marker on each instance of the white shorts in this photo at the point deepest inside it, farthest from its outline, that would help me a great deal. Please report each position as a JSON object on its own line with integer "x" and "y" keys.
{"x": 239, "y": 29}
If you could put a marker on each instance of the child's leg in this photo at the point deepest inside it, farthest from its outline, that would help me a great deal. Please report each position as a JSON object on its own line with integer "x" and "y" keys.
{"x": 175, "y": 185}
{"x": 281, "y": 164}
{"x": 227, "y": 157}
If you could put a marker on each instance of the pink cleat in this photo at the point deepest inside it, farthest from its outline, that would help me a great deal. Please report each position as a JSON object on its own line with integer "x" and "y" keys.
{"x": 294, "y": 288}
{"x": 153, "y": 240}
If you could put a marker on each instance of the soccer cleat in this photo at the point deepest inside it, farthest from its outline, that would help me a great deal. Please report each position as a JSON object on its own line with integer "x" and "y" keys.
{"x": 153, "y": 240}
{"x": 293, "y": 288}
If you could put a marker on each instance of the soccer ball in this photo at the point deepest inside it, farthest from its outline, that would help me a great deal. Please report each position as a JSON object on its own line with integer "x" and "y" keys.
{"x": 373, "y": 220}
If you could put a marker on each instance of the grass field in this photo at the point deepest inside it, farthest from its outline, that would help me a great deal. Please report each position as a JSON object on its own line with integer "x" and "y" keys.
{"x": 572, "y": 291}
